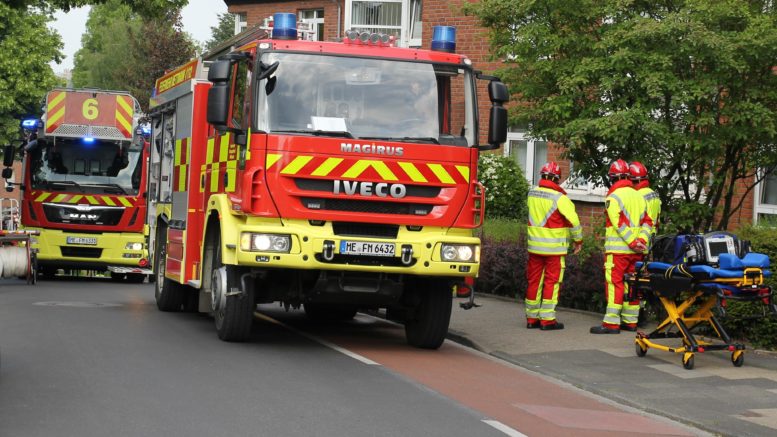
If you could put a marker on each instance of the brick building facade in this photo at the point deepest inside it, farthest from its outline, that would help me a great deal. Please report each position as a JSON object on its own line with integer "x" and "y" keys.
{"x": 333, "y": 17}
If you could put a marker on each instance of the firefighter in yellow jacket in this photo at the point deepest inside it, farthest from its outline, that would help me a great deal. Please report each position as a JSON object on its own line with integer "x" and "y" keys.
{"x": 639, "y": 177}
{"x": 552, "y": 220}
{"x": 627, "y": 232}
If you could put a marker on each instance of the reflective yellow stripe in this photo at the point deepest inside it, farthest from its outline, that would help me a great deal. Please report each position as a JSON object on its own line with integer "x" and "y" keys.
{"x": 272, "y": 158}
{"x": 412, "y": 172}
{"x": 383, "y": 171}
{"x": 123, "y": 121}
{"x": 464, "y": 171}
{"x": 224, "y": 149}
{"x": 124, "y": 201}
{"x": 214, "y": 176}
{"x": 56, "y": 100}
{"x": 327, "y": 167}
{"x": 59, "y": 197}
{"x": 108, "y": 201}
{"x": 75, "y": 198}
{"x": 441, "y": 174}
{"x": 55, "y": 117}
{"x": 42, "y": 197}
{"x": 182, "y": 177}
{"x": 92, "y": 200}
{"x": 177, "y": 152}
{"x": 296, "y": 165}
{"x": 209, "y": 151}
{"x": 126, "y": 106}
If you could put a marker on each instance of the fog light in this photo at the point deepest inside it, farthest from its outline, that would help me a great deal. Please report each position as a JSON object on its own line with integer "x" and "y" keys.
{"x": 261, "y": 242}
{"x": 465, "y": 253}
{"x": 449, "y": 253}
{"x": 133, "y": 246}
{"x": 460, "y": 252}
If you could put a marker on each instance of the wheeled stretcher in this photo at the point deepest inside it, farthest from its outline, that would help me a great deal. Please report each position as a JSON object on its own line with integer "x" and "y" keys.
{"x": 703, "y": 273}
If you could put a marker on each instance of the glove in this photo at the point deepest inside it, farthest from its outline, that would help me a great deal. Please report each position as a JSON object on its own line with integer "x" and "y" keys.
{"x": 638, "y": 246}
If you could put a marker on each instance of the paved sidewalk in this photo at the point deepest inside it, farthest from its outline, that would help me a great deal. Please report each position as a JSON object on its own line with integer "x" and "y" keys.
{"x": 715, "y": 396}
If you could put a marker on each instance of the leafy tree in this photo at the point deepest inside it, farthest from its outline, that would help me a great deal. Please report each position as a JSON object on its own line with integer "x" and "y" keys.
{"x": 27, "y": 46}
{"x": 686, "y": 86}
{"x": 221, "y": 32}
{"x": 148, "y": 8}
{"x": 123, "y": 51}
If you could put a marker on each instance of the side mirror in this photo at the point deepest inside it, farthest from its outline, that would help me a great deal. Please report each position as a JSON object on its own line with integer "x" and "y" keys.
{"x": 8, "y": 155}
{"x": 7, "y": 173}
{"x": 9, "y": 179}
{"x": 497, "y": 123}
{"x": 220, "y": 74}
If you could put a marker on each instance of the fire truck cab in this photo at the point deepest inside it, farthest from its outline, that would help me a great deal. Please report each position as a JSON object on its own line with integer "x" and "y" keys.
{"x": 333, "y": 176}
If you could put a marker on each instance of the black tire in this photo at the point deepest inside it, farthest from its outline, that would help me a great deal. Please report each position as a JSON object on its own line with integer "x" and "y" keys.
{"x": 427, "y": 324}
{"x": 739, "y": 360}
{"x": 168, "y": 293}
{"x": 688, "y": 362}
{"x": 638, "y": 349}
{"x": 329, "y": 313}
{"x": 233, "y": 314}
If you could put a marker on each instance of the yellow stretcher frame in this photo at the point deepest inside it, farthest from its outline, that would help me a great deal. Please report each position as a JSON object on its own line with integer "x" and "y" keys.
{"x": 678, "y": 315}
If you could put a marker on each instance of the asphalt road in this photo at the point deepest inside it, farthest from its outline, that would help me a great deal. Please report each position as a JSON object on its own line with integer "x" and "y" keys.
{"x": 96, "y": 358}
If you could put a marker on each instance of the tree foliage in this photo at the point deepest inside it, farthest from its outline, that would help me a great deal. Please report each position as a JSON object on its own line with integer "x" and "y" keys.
{"x": 27, "y": 46}
{"x": 122, "y": 50}
{"x": 221, "y": 32}
{"x": 686, "y": 86}
{"x": 147, "y": 8}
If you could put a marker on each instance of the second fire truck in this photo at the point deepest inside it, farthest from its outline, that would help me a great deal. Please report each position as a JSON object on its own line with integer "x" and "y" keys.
{"x": 333, "y": 176}
{"x": 84, "y": 183}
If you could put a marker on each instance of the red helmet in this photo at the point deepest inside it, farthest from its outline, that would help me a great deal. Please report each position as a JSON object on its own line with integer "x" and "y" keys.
{"x": 637, "y": 171}
{"x": 618, "y": 168}
{"x": 551, "y": 168}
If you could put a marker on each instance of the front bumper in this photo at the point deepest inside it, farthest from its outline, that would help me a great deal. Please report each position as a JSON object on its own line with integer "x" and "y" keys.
{"x": 308, "y": 250}
{"x": 57, "y": 247}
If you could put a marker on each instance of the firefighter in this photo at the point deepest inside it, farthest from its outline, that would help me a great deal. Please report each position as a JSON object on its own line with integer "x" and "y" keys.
{"x": 552, "y": 220}
{"x": 625, "y": 244}
{"x": 639, "y": 177}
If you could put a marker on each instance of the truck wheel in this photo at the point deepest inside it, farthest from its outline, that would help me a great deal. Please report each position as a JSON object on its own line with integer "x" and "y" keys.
{"x": 233, "y": 309}
{"x": 427, "y": 324}
{"x": 168, "y": 293}
{"x": 329, "y": 313}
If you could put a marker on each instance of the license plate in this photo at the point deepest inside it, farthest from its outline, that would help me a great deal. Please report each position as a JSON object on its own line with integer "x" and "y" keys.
{"x": 367, "y": 248}
{"x": 90, "y": 241}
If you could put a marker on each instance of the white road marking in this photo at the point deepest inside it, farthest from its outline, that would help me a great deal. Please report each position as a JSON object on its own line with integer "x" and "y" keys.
{"x": 332, "y": 346}
{"x": 504, "y": 428}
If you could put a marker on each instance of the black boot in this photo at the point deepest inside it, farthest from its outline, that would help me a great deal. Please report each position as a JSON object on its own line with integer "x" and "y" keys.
{"x": 604, "y": 330}
{"x": 552, "y": 327}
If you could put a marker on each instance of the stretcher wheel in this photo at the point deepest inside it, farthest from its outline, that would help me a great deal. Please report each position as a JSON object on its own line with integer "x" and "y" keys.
{"x": 737, "y": 358}
{"x": 641, "y": 351}
{"x": 688, "y": 360}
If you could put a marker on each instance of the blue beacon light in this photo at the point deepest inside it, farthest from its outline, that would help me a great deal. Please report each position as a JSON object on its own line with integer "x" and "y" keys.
{"x": 88, "y": 140}
{"x": 284, "y": 26}
{"x": 444, "y": 39}
{"x": 30, "y": 123}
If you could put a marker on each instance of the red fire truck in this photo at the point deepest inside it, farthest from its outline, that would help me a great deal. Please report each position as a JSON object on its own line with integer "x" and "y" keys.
{"x": 84, "y": 184}
{"x": 333, "y": 176}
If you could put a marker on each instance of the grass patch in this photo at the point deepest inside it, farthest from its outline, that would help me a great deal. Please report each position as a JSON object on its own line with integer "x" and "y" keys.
{"x": 502, "y": 229}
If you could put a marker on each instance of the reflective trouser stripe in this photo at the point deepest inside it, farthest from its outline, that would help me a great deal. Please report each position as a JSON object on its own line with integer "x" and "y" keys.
{"x": 545, "y": 275}
{"x": 630, "y": 313}
{"x": 613, "y": 314}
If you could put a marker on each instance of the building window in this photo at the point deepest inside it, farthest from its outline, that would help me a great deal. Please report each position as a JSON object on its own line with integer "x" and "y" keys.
{"x": 766, "y": 200}
{"x": 528, "y": 153}
{"x": 241, "y": 22}
{"x": 399, "y": 18}
{"x": 315, "y": 17}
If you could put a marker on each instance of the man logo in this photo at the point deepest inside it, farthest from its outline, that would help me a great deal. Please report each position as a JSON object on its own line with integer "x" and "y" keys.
{"x": 83, "y": 217}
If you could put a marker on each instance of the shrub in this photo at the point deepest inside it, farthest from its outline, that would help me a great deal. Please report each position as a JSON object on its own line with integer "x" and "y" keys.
{"x": 503, "y": 267}
{"x": 506, "y": 187}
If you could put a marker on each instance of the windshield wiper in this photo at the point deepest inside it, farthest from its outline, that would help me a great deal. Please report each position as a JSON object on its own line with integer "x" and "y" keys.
{"x": 405, "y": 139}
{"x": 318, "y": 133}
{"x": 115, "y": 188}
{"x": 66, "y": 183}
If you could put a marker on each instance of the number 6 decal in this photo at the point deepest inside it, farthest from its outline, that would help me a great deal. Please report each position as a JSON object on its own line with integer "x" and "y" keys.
{"x": 89, "y": 109}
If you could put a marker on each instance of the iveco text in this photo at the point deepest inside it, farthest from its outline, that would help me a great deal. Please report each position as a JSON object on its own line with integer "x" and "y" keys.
{"x": 381, "y": 189}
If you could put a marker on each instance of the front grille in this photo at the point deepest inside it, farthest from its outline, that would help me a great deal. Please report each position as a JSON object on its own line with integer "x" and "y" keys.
{"x": 365, "y": 230}
{"x": 425, "y": 191}
{"x": 374, "y": 261}
{"x": 81, "y": 252}
{"x": 365, "y": 206}
{"x": 82, "y": 214}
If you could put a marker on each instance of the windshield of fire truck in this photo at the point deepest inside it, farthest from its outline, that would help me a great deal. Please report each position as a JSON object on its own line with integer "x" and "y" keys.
{"x": 368, "y": 99}
{"x": 75, "y": 166}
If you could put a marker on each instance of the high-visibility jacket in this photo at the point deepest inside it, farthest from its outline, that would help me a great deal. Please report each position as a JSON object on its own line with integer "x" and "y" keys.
{"x": 552, "y": 220}
{"x": 653, "y": 204}
{"x": 626, "y": 218}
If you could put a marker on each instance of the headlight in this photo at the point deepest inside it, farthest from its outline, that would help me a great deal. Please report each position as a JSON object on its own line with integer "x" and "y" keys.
{"x": 134, "y": 246}
{"x": 265, "y": 242}
{"x": 460, "y": 253}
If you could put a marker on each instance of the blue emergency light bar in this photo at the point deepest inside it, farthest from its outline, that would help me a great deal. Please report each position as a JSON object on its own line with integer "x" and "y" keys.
{"x": 284, "y": 26}
{"x": 30, "y": 123}
{"x": 444, "y": 39}
{"x": 88, "y": 140}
